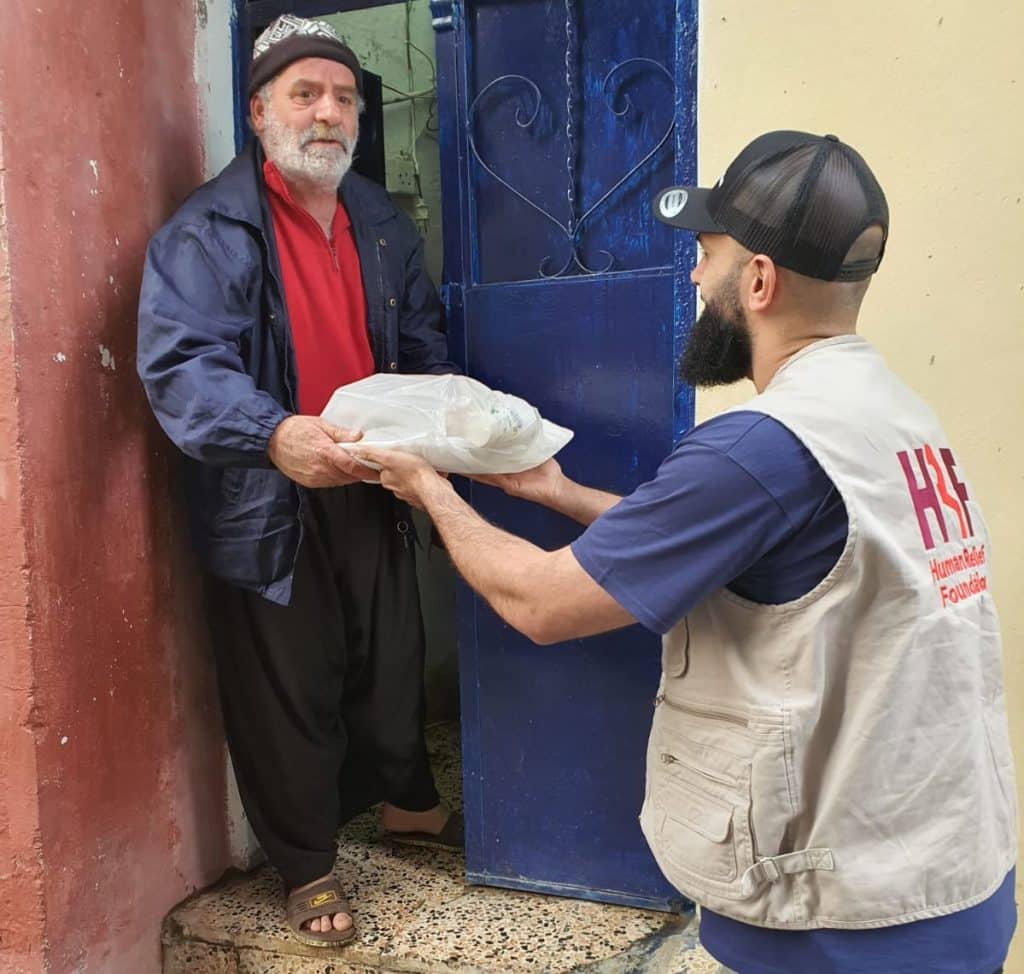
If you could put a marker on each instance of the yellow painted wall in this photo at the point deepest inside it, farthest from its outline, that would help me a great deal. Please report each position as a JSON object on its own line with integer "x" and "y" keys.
{"x": 932, "y": 94}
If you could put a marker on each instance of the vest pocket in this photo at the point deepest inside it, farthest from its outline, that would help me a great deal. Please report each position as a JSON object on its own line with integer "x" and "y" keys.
{"x": 675, "y": 651}
{"x": 695, "y": 827}
{"x": 699, "y": 795}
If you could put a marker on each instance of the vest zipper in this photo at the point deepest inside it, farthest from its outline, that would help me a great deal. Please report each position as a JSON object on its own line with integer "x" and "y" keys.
{"x": 701, "y": 711}
{"x": 718, "y": 779}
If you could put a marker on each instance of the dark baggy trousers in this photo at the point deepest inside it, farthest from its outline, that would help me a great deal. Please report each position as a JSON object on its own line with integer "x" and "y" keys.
{"x": 323, "y": 698}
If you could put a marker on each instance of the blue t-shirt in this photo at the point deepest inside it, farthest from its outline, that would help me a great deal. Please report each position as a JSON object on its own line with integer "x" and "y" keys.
{"x": 742, "y": 504}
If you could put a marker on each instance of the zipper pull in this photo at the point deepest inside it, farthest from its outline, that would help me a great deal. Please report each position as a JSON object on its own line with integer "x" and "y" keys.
{"x": 404, "y": 531}
{"x": 667, "y": 758}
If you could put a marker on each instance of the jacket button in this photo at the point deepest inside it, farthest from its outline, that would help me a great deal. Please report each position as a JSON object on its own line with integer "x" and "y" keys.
{"x": 392, "y": 303}
{"x": 382, "y": 242}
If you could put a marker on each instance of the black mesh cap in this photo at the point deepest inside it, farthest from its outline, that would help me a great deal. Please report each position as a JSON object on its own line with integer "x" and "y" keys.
{"x": 798, "y": 198}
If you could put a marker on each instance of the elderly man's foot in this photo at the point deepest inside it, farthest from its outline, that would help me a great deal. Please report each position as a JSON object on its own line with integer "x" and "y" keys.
{"x": 394, "y": 819}
{"x": 437, "y": 828}
{"x": 328, "y": 921}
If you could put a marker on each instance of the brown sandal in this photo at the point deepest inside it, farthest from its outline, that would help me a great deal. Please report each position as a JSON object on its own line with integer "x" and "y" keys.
{"x": 309, "y": 904}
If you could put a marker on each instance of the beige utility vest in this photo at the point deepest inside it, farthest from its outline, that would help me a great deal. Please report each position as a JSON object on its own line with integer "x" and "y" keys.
{"x": 843, "y": 760}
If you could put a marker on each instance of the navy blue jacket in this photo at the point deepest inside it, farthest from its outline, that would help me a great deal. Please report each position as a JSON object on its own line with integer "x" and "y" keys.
{"x": 216, "y": 358}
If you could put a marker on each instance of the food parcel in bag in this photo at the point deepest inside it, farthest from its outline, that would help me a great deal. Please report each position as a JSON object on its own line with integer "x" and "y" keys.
{"x": 455, "y": 423}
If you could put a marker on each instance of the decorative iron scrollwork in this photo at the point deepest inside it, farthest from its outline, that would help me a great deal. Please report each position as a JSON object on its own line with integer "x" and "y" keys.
{"x": 526, "y": 116}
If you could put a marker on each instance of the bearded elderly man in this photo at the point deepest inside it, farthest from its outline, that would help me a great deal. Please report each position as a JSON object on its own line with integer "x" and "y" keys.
{"x": 829, "y": 771}
{"x": 281, "y": 279}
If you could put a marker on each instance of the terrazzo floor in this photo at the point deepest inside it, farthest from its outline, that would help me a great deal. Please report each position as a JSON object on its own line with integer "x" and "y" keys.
{"x": 413, "y": 913}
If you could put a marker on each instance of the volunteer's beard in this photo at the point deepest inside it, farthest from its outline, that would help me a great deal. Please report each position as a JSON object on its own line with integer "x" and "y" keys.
{"x": 292, "y": 152}
{"x": 718, "y": 351}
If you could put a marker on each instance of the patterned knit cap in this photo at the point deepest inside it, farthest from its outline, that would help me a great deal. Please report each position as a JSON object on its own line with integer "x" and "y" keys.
{"x": 289, "y": 39}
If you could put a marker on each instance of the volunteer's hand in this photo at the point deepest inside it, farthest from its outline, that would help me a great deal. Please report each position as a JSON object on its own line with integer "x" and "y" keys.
{"x": 305, "y": 449}
{"x": 539, "y": 484}
{"x": 410, "y": 478}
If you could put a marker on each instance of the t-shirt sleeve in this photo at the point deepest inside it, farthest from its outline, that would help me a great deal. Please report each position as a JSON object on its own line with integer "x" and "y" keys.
{"x": 704, "y": 519}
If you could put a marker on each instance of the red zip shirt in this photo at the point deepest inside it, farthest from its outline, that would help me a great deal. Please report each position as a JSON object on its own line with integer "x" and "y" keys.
{"x": 323, "y": 291}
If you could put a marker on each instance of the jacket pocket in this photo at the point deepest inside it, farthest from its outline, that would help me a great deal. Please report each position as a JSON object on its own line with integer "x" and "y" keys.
{"x": 251, "y": 502}
{"x": 232, "y": 482}
{"x": 246, "y": 492}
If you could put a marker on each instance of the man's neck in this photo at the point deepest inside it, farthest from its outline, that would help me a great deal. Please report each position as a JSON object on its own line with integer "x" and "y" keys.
{"x": 770, "y": 354}
{"x": 319, "y": 202}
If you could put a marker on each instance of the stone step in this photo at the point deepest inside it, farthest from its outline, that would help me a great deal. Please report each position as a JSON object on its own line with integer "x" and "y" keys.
{"x": 414, "y": 913}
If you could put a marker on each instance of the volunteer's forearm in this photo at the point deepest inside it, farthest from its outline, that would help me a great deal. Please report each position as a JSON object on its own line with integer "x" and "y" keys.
{"x": 507, "y": 571}
{"x": 582, "y": 504}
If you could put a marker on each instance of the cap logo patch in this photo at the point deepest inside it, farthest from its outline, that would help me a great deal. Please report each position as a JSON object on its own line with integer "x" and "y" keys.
{"x": 672, "y": 203}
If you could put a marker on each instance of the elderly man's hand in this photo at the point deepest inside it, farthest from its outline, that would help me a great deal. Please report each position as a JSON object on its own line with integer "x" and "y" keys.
{"x": 410, "y": 478}
{"x": 305, "y": 449}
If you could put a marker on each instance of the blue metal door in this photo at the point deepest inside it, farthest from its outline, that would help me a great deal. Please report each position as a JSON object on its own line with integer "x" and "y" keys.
{"x": 559, "y": 119}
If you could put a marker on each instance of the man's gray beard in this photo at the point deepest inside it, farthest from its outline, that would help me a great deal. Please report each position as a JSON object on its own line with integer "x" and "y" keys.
{"x": 319, "y": 165}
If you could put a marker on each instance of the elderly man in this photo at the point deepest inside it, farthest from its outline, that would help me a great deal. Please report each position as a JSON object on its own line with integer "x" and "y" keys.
{"x": 281, "y": 279}
{"x": 829, "y": 771}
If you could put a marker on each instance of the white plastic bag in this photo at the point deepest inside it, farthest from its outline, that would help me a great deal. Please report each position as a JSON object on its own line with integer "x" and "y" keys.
{"x": 457, "y": 424}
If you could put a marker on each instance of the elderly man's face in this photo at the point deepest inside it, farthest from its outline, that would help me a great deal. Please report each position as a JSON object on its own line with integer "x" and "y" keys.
{"x": 309, "y": 125}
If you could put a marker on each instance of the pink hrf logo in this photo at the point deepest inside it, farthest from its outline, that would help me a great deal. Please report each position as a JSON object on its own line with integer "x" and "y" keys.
{"x": 930, "y": 490}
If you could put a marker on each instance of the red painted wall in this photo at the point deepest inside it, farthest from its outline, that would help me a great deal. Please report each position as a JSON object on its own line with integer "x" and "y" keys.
{"x": 113, "y": 784}
{"x": 21, "y": 888}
